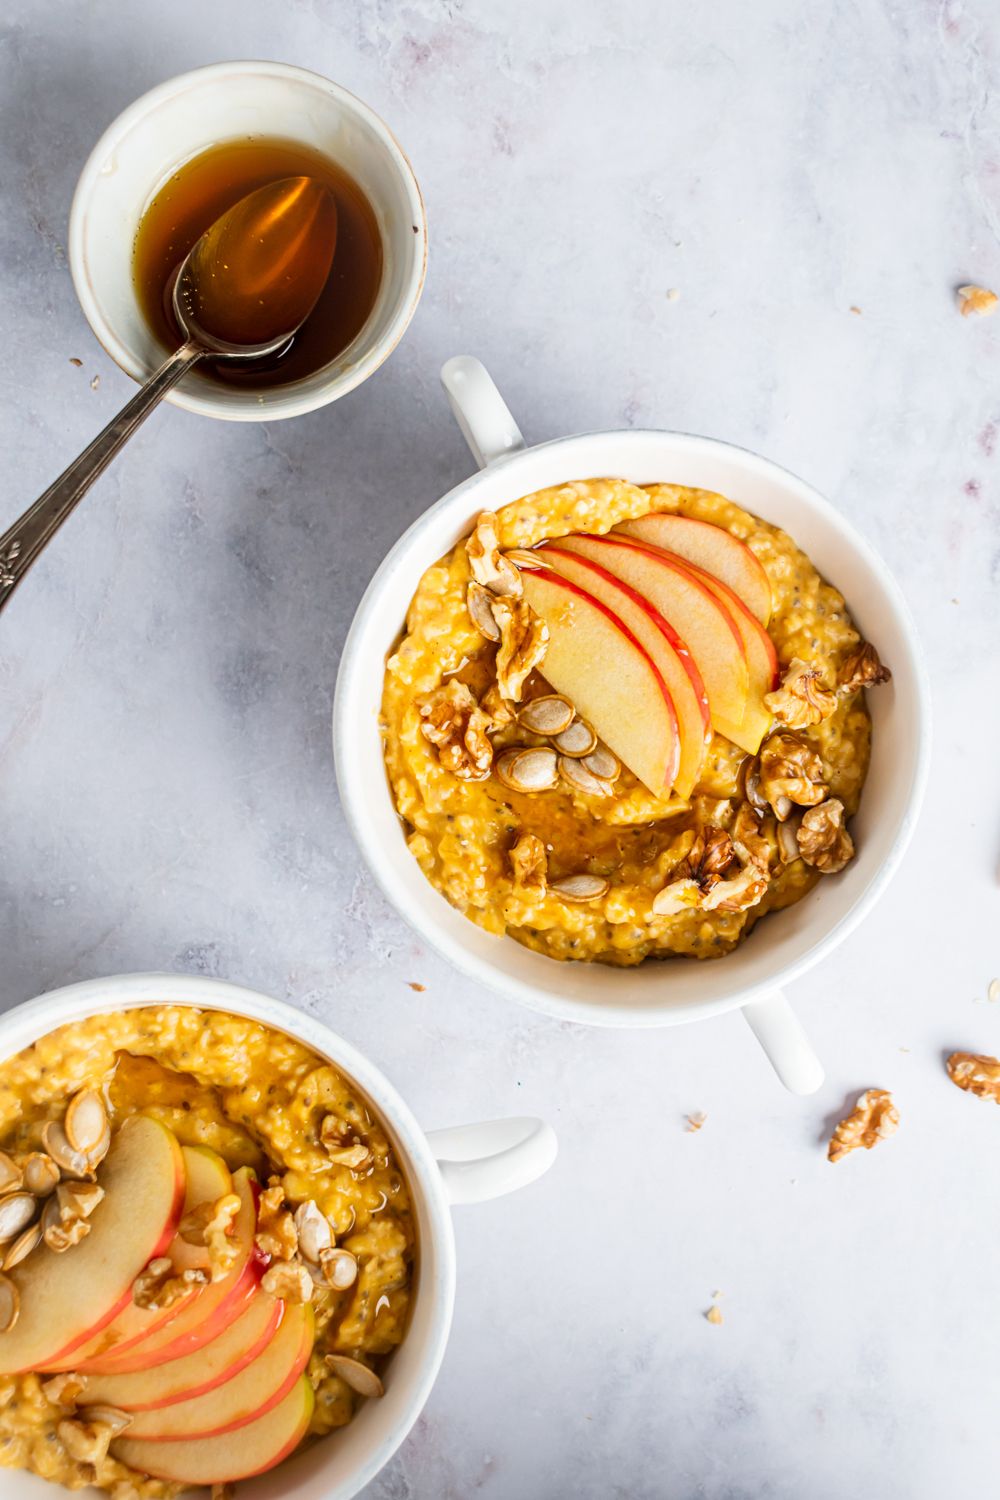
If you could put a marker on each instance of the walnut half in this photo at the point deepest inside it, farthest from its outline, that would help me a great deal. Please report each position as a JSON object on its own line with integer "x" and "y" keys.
{"x": 802, "y": 698}
{"x": 791, "y": 772}
{"x": 873, "y": 1118}
{"x": 529, "y": 865}
{"x": 824, "y": 842}
{"x": 456, "y": 726}
{"x": 976, "y": 1073}
{"x": 862, "y": 669}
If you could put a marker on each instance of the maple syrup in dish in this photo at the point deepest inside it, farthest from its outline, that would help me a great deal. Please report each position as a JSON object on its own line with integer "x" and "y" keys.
{"x": 203, "y": 189}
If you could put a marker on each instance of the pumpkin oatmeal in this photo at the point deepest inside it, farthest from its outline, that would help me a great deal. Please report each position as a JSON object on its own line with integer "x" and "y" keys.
{"x": 627, "y": 722}
{"x": 207, "y": 1251}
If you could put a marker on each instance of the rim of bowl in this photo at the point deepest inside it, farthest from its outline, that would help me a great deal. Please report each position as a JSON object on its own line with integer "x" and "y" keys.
{"x": 120, "y": 992}
{"x": 610, "y": 1013}
{"x": 282, "y": 402}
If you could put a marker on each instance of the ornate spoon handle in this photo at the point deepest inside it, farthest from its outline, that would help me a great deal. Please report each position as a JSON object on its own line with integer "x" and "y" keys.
{"x": 22, "y": 543}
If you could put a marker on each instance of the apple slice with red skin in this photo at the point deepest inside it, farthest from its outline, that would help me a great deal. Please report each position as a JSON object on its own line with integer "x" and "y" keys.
{"x": 206, "y": 1178}
{"x": 194, "y": 1374}
{"x": 762, "y": 664}
{"x": 214, "y": 1307}
{"x": 595, "y": 660}
{"x": 663, "y": 645}
{"x": 712, "y": 548}
{"x": 244, "y": 1398}
{"x": 251, "y": 1449}
{"x": 701, "y": 621}
{"x": 66, "y": 1297}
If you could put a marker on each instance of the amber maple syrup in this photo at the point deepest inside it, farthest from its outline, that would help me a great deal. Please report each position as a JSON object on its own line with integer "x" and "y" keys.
{"x": 208, "y": 185}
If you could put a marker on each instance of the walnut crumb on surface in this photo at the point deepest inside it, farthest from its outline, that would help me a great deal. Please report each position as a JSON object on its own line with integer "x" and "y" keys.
{"x": 695, "y": 1121}
{"x": 873, "y": 1118}
{"x": 976, "y": 301}
{"x": 976, "y": 1073}
{"x": 416, "y": 986}
{"x": 714, "y": 1314}
{"x": 75, "y": 362}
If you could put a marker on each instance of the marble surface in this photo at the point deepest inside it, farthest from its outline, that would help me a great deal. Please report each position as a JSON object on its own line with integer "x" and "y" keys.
{"x": 166, "y": 789}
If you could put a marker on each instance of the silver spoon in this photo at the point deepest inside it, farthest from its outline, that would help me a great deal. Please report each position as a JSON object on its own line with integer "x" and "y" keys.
{"x": 260, "y": 269}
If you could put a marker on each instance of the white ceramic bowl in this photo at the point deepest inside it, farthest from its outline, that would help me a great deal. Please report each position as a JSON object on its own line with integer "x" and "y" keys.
{"x": 466, "y": 1164}
{"x": 182, "y": 117}
{"x": 783, "y": 946}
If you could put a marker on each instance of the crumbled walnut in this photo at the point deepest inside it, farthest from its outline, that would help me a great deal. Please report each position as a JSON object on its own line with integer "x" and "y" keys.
{"x": 678, "y": 896}
{"x": 357, "y": 1157}
{"x": 746, "y": 830}
{"x": 714, "y": 1314}
{"x": 790, "y": 772}
{"x": 65, "y": 1389}
{"x": 88, "y": 1441}
{"x": 523, "y": 639}
{"x": 276, "y": 1234}
{"x": 456, "y": 725}
{"x": 479, "y": 602}
{"x": 496, "y": 708}
{"x": 824, "y": 842}
{"x": 873, "y": 1118}
{"x": 695, "y": 1122}
{"x": 211, "y": 1225}
{"x": 976, "y": 1073}
{"x": 976, "y": 301}
{"x": 742, "y": 890}
{"x": 288, "y": 1279}
{"x": 801, "y": 699}
{"x": 529, "y": 865}
{"x": 862, "y": 669}
{"x": 159, "y": 1286}
{"x": 705, "y": 877}
{"x": 489, "y": 567}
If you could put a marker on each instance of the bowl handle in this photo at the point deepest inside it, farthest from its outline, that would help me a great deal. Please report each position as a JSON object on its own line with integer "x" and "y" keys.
{"x": 484, "y": 1161}
{"x": 788, "y": 1049}
{"x": 480, "y": 410}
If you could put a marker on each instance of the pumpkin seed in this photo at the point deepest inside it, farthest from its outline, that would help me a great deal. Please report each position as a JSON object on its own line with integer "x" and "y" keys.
{"x": 580, "y": 888}
{"x": 22, "y": 1246}
{"x": 16, "y": 1212}
{"x": 480, "y": 608}
{"x": 10, "y": 1304}
{"x": 71, "y": 1163}
{"x": 582, "y": 780}
{"x": 788, "y": 839}
{"x": 339, "y": 1267}
{"x": 603, "y": 764}
{"x": 749, "y": 784}
{"x": 100, "y": 1151}
{"x": 108, "y": 1416}
{"x": 353, "y": 1373}
{"x": 577, "y": 740}
{"x": 10, "y": 1173}
{"x": 314, "y": 1231}
{"x": 86, "y": 1121}
{"x": 41, "y": 1175}
{"x": 549, "y": 715}
{"x": 522, "y": 770}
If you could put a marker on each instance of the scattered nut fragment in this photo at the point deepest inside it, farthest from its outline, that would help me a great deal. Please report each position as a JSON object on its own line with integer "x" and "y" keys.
{"x": 579, "y": 889}
{"x": 977, "y": 1073}
{"x": 488, "y": 565}
{"x": 873, "y": 1118}
{"x": 85, "y": 1122}
{"x": 77, "y": 1200}
{"x": 496, "y": 708}
{"x": 10, "y": 1304}
{"x": 313, "y": 1228}
{"x": 353, "y": 1373}
{"x": 87, "y": 1441}
{"x": 576, "y": 775}
{"x": 210, "y": 1225}
{"x": 548, "y": 715}
{"x": 802, "y": 699}
{"x": 71, "y": 1163}
{"x": 339, "y": 1268}
{"x": 17, "y": 1210}
{"x": 160, "y": 1286}
{"x": 788, "y": 839}
{"x": 993, "y": 990}
{"x": 529, "y": 864}
{"x": 714, "y": 1314}
{"x": 22, "y": 1247}
{"x": 976, "y": 301}
{"x": 480, "y": 606}
{"x": 10, "y": 1173}
{"x": 602, "y": 763}
{"x": 64, "y": 1389}
{"x": 456, "y": 726}
{"x": 288, "y": 1279}
{"x": 749, "y": 784}
{"x": 357, "y": 1157}
{"x": 577, "y": 740}
{"x": 41, "y": 1174}
{"x": 863, "y": 668}
{"x": 276, "y": 1234}
{"x": 524, "y": 637}
{"x": 695, "y": 1122}
{"x": 528, "y": 770}
{"x": 790, "y": 772}
{"x": 107, "y": 1416}
{"x": 678, "y": 896}
{"x": 823, "y": 840}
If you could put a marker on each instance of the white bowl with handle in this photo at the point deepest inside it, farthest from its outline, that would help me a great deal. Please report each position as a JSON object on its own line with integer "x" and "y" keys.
{"x": 785, "y": 944}
{"x": 464, "y": 1164}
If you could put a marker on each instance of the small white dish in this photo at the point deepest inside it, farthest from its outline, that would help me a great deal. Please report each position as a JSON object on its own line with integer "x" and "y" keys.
{"x": 465, "y": 1164}
{"x": 786, "y": 943}
{"x": 183, "y": 117}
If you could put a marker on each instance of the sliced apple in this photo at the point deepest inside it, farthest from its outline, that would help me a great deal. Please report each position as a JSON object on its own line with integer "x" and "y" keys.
{"x": 713, "y": 548}
{"x": 245, "y": 1397}
{"x": 208, "y": 1179}
{"x": 707, "y": 629}
{"x": 179, "y": 1380}
{"x": 593, "y": 657}
{"x": 251, "y": 1449}
{"x": 209, "y": 1312}
{"x": 65, "y": 1298}
{"x": 665, "y": 648}
{"x": 762, "y": 664}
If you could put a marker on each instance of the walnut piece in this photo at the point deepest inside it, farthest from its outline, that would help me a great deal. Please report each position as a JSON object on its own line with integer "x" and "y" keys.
{"x": 211, "y": 1225}
{"x": 488, "y": 565}
{"x": 456, "y": 725}
{"x": 742, "y": 890}
{"x": 288, "y": 1279}
{"x": 862, "y": 669}
{"x": 65, "y": 1389}
{"x": 529, "y": 865}
{"x": 87, "y": 1437}
{"x": 802, "y": 699}
{"x": 159, "y": 1286}
{"x": 276, "y": 1234}
{"x": 976, "y": 1073}
{"x": 790, "y": 772}
{"x": 706, "y": 878}
{"x": 496, "y": 708}
{"x": 873, "y": 1118}
{"x": 824, "y": 842}
{"x": 523, "y": 639}
{"x": 976, "y": 301}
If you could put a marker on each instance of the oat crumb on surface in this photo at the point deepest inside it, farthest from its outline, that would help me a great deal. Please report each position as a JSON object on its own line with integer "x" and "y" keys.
{"x": 95, "y": 383}
{"x": 976, "y": 301}
{"x": 873, "y": 1118}
{"x": 856, "y": 311}
{"x": 714, "y": 1314}
{"x": 993, "y": 990}
{"x": 674, "y": 295}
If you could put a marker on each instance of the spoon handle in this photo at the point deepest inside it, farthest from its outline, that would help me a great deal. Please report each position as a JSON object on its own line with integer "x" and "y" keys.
{"x": 22, "y": 542}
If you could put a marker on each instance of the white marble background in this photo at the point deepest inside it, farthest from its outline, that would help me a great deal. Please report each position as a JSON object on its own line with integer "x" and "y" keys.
{"x": 166, "y": 788}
